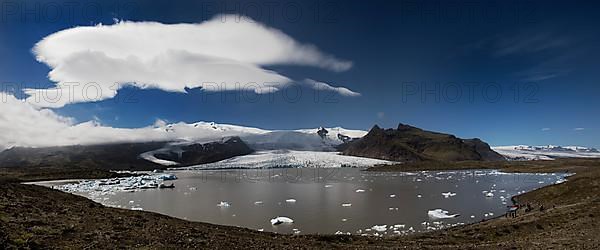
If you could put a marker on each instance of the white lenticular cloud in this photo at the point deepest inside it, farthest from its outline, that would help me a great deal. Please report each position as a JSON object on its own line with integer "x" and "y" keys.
{"x": 92, "y": 63}
{"x": 326, "y": 87}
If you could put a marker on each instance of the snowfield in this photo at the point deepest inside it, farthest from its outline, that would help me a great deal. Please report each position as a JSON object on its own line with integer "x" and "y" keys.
{"x": 273, "y": 146}
{"x": 292, "y": 158}
{"x": 550, "y": 152}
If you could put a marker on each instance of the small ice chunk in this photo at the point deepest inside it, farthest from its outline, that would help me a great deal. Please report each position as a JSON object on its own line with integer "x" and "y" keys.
{"x": 261, "y": 229}
{"x": 131, "y": 202}
{"x": 419, "y": 195}
{"x": 290, "y": 200}
{"x": 379, "y": 228}
{"x": 344, "y": 220}
{"x": 392, "y": 195}
{"x": 490, "y": 194}
{"x": 328, "y": 186}
{"x": 137, "y": 208}
{"x": 223, "y": 204}
{"x": 281, "y": 220}
{"x": 346, "y": 204}
{"x": 399, "y": 226}
{"x": 360, "y": 191}
{"x": 440, "y": 214}
{"x": 472, "y": 216}
{"x": 448, "y": 194}
{"x": 258, "y": 203}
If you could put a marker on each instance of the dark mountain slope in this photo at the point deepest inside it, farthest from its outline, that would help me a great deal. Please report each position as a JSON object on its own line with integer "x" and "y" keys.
{"x": 121, "y": 156}
{"x": 411, "y": 144}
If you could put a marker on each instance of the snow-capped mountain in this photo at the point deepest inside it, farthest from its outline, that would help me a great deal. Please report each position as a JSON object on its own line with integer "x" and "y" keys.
{"x": 283, "y": 141}
{"x": 318, "y": 139}
{"x": 549, "y": 152}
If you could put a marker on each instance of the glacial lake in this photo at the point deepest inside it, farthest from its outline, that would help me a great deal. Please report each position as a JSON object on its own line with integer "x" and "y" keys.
{"x": 328, "y": 200}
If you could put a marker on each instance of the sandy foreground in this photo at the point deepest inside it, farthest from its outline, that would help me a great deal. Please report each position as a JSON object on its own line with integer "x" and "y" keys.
{"x": 39, "y": 217}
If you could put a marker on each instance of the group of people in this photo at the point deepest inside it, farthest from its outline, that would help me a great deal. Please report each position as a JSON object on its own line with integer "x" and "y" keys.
{"x": 512, "y": 210}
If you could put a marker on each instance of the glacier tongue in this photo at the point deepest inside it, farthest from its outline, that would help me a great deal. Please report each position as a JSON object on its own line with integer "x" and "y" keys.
{"x": 292, "y": 158}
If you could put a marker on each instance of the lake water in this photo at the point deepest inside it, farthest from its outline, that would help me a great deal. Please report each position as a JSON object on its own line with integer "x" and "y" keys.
{"x": 328, "y": 201}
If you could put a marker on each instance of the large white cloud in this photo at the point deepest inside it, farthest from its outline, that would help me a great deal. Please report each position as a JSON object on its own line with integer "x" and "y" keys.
{"x": 92, "y": 63}
{"x": 24, "y": 125}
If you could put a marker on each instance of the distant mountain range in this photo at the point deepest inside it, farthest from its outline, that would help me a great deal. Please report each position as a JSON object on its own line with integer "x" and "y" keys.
{"x": 550, "y": 152}
{"x": 410, "y": 144}
{"x": 200, "y": 143}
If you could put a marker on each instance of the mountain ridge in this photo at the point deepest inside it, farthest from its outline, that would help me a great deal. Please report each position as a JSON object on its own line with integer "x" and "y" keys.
{"x": 411, "y": 144}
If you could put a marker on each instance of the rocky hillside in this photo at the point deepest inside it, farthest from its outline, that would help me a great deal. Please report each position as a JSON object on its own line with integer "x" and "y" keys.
{"x": 121, "y": 156}
{"x": 411, "y": 144}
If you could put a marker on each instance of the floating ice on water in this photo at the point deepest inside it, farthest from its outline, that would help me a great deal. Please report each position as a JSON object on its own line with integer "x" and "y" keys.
{"x": 472, "y": 216}
{"x": 440, "y": 214}
{"x": 378, "y": 228}
{"x": 167, "y": 177}
{"x": 258, "y": 202}
{"x": 344, "y": 220}
{"x": 448, "y": 194}
{"x": 131, "y": 202}
{"x": 280, "y": 220}
{"x": 261, "y": 229}
{"x": 392, "y": 195}
{"x": 560, "y": 181}
{"x": 223, "y": 204}
{"x": 419, "y": 195}
{"x": 290, "y": 200}
{"x": 399, "y": 226}
{"x": 346, "y": 204}
{"x": 360, "y": 191}
{"x": 137, "y": 208}
{"x": 328, "y": 186}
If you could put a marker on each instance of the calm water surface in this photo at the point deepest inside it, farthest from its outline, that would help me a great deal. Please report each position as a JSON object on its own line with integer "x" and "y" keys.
{"x": 342, "y": 200}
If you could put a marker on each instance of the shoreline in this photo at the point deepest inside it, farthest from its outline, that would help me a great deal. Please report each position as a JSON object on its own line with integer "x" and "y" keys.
{"x": 560, "y": 200}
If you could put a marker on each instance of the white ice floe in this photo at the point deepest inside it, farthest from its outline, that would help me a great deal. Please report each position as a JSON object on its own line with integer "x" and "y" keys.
{"x": 489, "y": 194}
{"x": 346, "y": 204}
{"x": 328, "y": 186}
{"x": 223, "y": 204}
{"x": 560, "y": 181}
{"x": 360, "y": 191}
{"x": 399, "y": 226}
{"x": 440, "y": 214}
{"x": 392, "y": 195}
{"x": 114, "y": 185}
{"x": 137, "y": 208}
{"x": 258, "y": 203}
{"x": 290, "y": 200}
{"x": 419, "y": 196}
{"x": 379, "y": 228}
{"x": 448, "y": 194}
{"x": 281, "y": 220}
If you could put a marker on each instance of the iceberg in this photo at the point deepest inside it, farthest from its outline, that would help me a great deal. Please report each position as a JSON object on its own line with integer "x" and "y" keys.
{"x": 440, "y": 214}
{"x": 290, "y": 200}
{"x": 281, "y": 220}
{"x": 378, "y": 228}
{"x": 223, "y": 204}
{"x": 448, "y": 194}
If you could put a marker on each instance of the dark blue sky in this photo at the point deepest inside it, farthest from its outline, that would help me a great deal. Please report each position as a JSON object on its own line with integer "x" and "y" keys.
{"x": 410, "y": 58}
